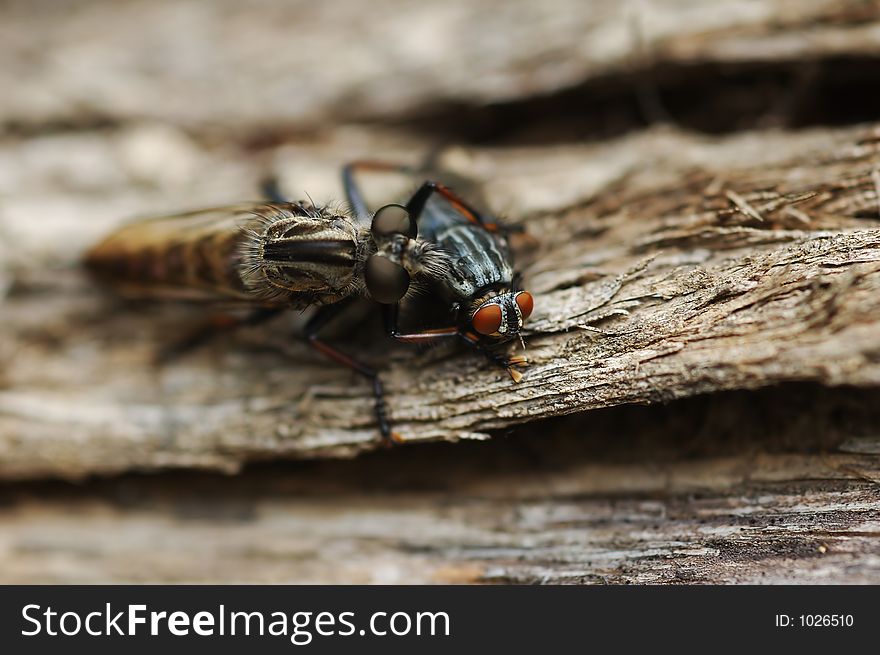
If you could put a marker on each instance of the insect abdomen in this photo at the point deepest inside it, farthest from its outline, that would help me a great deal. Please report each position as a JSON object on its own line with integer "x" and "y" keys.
{"x": 220, "y": 254}
{"x": 188, "y": 255}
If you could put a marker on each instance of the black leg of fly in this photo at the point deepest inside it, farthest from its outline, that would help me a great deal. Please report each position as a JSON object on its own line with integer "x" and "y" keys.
{"x": 391, "y": 315}
{"x": 418, "y": 200}
{"x": 438, "y": 334}
{"x": 416, "y": 204}
{"x": 321, "y": 319}
{"x": 509, "y": 364}
{"x": 324, "y": 316}
{"x": 271, "y": 189}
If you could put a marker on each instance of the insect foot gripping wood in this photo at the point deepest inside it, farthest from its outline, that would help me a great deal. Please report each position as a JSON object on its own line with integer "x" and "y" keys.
{"x": 280, "y": 255}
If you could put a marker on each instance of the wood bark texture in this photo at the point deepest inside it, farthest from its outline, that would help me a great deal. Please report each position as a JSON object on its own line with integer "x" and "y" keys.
{"x": 700, "y": 193}
{"x": 648, "y": 290}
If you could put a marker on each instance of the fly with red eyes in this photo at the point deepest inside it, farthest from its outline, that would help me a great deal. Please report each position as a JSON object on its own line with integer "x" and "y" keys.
{"x": 277, "y": 255}
{"x": 470, "y": 268}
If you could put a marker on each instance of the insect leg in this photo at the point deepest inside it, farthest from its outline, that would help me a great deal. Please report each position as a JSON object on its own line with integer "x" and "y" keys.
{"x": 211, "y": 328}
{"x": 352, "y": 189}
{"x": 419, "y": 199}
{"x": 391, "y": 314}
{"x": 507, "y": 363}
{"x": 322, "y": 317}
{"x": 271, "y": 189}
{"x": 430, "y": 336}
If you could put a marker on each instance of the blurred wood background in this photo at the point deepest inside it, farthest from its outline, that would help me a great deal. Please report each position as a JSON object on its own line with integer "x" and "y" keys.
{"x": 701, "y": 185}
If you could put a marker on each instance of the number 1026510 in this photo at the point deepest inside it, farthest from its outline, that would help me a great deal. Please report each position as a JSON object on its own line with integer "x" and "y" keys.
{"x": 815, "y": 621}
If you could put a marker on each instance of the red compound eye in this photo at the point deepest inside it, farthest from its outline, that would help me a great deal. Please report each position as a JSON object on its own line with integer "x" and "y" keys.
{"x": 487, "y": 319}
{"x": 526, "y": 303}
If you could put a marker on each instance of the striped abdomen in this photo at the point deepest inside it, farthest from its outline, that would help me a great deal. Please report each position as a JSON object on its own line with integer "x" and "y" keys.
{"x": 274, "y": 254}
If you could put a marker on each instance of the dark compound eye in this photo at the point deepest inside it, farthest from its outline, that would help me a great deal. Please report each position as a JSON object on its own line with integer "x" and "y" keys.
{"x": 487, "y": 319}
{"x": 393, "y": 219}
{"x": 386, "y": 281}
{"x": 526, "y": 303}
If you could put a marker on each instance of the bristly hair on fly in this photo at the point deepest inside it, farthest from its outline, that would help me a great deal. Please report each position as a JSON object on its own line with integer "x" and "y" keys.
{"x": 426, "y": 261}
{"x": 423, "y": 260}
{"x": 330, "y": 221}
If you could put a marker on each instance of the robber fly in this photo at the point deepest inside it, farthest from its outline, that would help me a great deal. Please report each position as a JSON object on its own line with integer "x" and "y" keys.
{"x": 281, "y": 255}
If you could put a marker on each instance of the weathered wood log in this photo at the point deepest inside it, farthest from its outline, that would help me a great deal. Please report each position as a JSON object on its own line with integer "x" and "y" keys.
{"x": 678, "y": 272}
{"x": 731, "y": 285}
{"x": 305, "y": 66}
{"x": 706, "y": 490}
